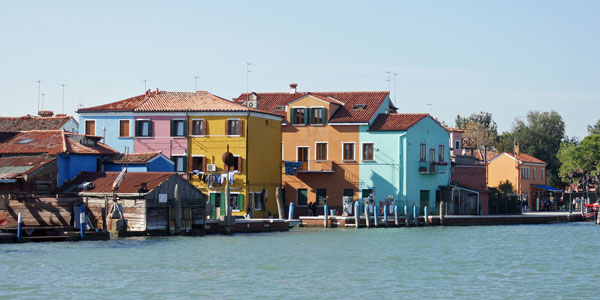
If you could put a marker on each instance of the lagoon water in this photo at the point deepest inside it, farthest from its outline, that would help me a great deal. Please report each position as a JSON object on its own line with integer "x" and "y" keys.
{"x": 487, "y": 262}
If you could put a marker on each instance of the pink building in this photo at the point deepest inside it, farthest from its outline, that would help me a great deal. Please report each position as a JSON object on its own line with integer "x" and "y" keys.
{"x": 455, "y": 140}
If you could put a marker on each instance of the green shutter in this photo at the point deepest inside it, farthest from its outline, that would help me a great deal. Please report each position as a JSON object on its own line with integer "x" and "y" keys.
{"x": 307, "y": 116}
{"x": 240, "y": 201}
{"x": 212, "y": 204}
{"x": 173, "y": 129}
{"x": 223, "y": 211}
{"x": 150, "y": 125}
{"x": 185, "y": 128}
{"x": 324, "y": 116}
{"x": 137, "y": 128}
{"x": 185, "y": 164}
{"x": 293, "y": 116}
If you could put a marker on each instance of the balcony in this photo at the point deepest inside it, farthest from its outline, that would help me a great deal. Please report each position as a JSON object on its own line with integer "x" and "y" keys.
{"x": 426, "y": 167}
{"x": 315, "y": 166}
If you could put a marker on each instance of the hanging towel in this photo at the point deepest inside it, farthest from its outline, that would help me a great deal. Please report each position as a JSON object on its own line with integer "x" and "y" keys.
{"x": 231, "y": 177}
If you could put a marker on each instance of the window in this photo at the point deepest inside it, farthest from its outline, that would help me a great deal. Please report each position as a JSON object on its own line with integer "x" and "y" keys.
{"x": 321, "y": 151}
{"x": 302, "y": 197}
{"x": 298, "y": 116}
{"x": 302, "y": 156}
{"x": 180, "y": 163}
{"x": 457, "y": 145}
{"x": 533, "y": 171}
{"x": 348, "y": 151}
{"x": 321, "y": 197}
{"x": 542, "y": 173}
{"x": 524, "y": 173}
{"x": 441, "y": 153}
{"x": 318, "y": 116}
{"x": 237, "y": 164}
{"x": 124, "y": 128}
{"x": 178, "y": 128}
{"x": 367, "y": 153}
{"x": 143, "y": 128}
{"x": 348, "y": 193}
{"x": 234, "y": 127}
{"x": 199, "y": 163}
{"x": 198, "y": 127}
{"x": 423, "y": 153}
{"x": 259, "y": 200}
{"x": 431, "y": 155}
{"x": 90, "y": 127}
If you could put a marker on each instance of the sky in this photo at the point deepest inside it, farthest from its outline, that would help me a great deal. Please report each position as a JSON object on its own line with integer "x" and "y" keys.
{"x": 450, "y": 57}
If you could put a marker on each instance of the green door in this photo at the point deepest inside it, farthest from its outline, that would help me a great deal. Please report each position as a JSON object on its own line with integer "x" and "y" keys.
{"x": 424, "y": 201}
{"x": 213, "y": 211}
{"x": 223, "y": 211}
{"x": 302, "y": 197}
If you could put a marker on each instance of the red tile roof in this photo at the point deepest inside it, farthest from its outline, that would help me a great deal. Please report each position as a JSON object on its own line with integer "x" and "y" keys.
{"x": 103, "y": 181}
{"x": 25, "y": 123}
{"x": 393, "y": 122}
{"x": 52, "y": 142}
{"x": 452, "y": 129}
{"x": 526, "y": 158}
{"x": 13, "y": 166}
{"x": 133, "y": 158}
{"x": 345, "y": 114}
{"x": 128, "y": 104}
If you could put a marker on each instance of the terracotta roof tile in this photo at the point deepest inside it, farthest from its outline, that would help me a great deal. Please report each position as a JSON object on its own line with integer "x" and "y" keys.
{"x": 51, "y": 142}
{"x": 128, "y": 104}
{"x": 133, "y": 158}
{"x": 393, "y": 122}
{"x": 13, "y": 166}
{"x": 524, "y": 157}
{"x": 452, "y": 129}
{"x": 103, "y": 181}
{"x": 25, "y": 123}
{"x": 345, "y": 114}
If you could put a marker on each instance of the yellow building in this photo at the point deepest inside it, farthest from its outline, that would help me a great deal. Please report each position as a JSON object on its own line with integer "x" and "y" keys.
{"x": 254, "y": 138}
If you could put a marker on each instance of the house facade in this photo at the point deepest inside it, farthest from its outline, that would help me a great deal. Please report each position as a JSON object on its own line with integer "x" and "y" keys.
{"x": 139, "y": 162}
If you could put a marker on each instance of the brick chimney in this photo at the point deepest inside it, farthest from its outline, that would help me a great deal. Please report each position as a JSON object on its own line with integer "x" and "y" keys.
{"x": 293, "y": 88}
{"x": 45, "y": 113}
{"x": 517, "y": 150}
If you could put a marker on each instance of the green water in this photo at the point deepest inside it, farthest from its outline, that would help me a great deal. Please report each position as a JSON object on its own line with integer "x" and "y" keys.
{"x": 487, "y": 262}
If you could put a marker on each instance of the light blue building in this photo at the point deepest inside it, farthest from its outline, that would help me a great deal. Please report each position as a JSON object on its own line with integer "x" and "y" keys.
{"x": 405, "y": 157}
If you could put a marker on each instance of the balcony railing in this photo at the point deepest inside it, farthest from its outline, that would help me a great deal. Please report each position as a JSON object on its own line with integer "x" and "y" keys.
{"x": 316, "y": 166}
{"x": 426, "y": 167}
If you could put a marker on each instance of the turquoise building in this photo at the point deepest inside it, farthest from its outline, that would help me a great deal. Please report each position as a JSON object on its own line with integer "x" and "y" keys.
{"x": 404, "y": 157}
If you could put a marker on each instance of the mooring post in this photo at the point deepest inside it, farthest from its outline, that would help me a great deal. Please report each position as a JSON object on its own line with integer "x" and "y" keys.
{"x": 325, "y": 211}
{"x": 356, "y": 214}
{"x": 82, "y": 220}
{"x": 291, "y": 211}
{"x": 19, "y": 226}
{"x": 367, "y": 217}
{"x": 415, "y": 216}
{"x": 385, "y": 215}
{"x": 376, "y": 216}
{"x": 396, "y": 215}
{"x": 442, "y": 212}
{"x": 406, "y": 215}
{"x": 426, "y": 215}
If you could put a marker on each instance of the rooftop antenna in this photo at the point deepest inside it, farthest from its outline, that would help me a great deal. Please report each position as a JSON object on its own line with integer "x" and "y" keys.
{"x": 388, "y": 79}
{"x": 39, "y": 91}
{"x": 63, "y": 97}
{"x": 145, "y": 89}
{"x": 43, "y": 100}
{"x": 195, "y": 84}
{"x": 395, "y": 88}
{"x": 429, "y": 108}
{"x": 247, "y": 73}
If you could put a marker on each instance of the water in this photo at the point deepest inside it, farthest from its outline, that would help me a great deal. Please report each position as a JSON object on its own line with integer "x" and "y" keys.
{"x": 487, "y": 262}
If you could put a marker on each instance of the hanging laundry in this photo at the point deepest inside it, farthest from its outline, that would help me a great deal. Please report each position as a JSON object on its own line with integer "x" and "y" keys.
{"x": 292, "y": 166}
{"x": 231, "y": 177}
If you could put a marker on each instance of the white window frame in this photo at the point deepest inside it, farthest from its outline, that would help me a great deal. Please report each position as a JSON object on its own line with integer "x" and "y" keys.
{"x": 353, "y": 152}
{"x": 192, "y": 162}
{"x": 176, "y": 156}
{"x": 362, "y": 148}
{"x": 234, "y": 135}
{"x": 326, "y": 152}
{"x": 542, "y": 173}
{"x": 310, "y": 121}
{"x": 119, "y": 133}
{"x": 191, "y": 130}
{"x": 533, "y": 173}
{"x": 457, "y": 145}
{"x": 292, "y": 121}
{"x": 422, "y": 154}
{"x": 85, "y": 126}
{"x": 183, "y": 128}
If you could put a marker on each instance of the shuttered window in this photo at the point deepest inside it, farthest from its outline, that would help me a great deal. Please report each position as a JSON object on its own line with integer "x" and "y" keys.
{"x": 180, "y": 163}
{"x": 124, "y": 128}
{"x": 143, "y": 128}
{"x": 348, "y": 151}
{"x": 368, "y": 149}
{"x": 178, "y": 128}
{"x": 199, "y": 127}
{"x": 318, "y": 116}
{"x": 321, "y": 153}
{"x": 199, "y": 163}
{"x": 234, "y": 127}
{"x": 90, "y": 127}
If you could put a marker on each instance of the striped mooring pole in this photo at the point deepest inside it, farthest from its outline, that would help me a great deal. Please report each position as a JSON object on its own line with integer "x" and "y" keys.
{"x": 82, "y": 221}
{"x": 19, "y": 226}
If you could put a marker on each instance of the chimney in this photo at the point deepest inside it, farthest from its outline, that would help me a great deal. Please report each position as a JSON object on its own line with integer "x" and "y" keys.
{"x": 517, "y": 150}
{"x": 45, "y": 113}
{"x": 293, "y": 88}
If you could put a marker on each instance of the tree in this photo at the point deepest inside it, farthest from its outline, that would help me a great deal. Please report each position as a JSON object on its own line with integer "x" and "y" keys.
{"x": 479, "y": 127}
{"x": 594, "y": 129}
{"x": 540, "y": 135}
{"x": 506, "y": 142}
{"x": 581, "y": 161}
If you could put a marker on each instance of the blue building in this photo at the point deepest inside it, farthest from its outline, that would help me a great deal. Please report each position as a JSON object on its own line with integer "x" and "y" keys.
{"x": 404, "y": 157}
{"x": 140, "y": 162}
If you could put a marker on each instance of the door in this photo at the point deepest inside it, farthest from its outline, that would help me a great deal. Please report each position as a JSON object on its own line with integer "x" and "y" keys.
{"x": 424, "y": 201}
{"x": 302, "y": 197}
{"x": 303, "y": 157}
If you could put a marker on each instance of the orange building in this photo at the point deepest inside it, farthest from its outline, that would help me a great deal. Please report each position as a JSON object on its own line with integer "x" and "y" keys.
{"x": 526, "y": 173}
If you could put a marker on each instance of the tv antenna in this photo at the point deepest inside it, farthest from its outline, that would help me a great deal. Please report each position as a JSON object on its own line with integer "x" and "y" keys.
{"x": 43, "y": 100}
{"x": 195, "y": 84}
{"x": 39, "y": 91}
{"x": 247, "y": 75}
{"x": 63, "y": 97}
{"x": 395, "y": 88}
{"x": 429, "y": 104}
{"x": 145, "y": 89}
{"x": 388, "y": 79}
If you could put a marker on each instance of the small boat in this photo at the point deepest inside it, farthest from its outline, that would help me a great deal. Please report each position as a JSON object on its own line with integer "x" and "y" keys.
{"x": 293, "y": 222}
{"x": 591, "y": 211}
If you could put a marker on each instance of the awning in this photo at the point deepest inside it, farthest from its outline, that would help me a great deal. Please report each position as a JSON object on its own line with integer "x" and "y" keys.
{"x": 547, "y": 188}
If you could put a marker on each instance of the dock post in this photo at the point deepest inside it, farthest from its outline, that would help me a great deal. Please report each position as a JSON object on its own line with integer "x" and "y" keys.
{"x": 416, "y": 217}
{"x": 82, "y": 221}
{"x": 426, "y": 215}
{"x": 291, "y": 211}
{"x": 406, "y": 215}
{"x": 19, "y": 226}
{"x": 325, "y": 211}
{"x": 385, "y": 215}
{"x": 376, "y": 216}
{"x": 356, "y": 214}
{"x": 396, "y": 215}
{"x": 367, "y": 217}
{"x": 441, "y": 212}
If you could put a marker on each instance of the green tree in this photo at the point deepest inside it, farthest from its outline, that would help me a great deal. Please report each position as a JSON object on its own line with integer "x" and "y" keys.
{"x": 506, "y": 142}
{"x": 581, "y": 159}
{"x": 594, "y": 129}
{"x": 480, "y": 127}
{"x": 540, "y": 134}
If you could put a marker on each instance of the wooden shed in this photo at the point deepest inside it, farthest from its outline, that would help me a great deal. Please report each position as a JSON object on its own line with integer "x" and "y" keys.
{"x": 148, "y": 199}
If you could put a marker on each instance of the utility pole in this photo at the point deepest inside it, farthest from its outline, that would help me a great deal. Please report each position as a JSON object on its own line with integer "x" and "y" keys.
{"x": 63, "y": 97}
{"x": 388, "y": 79}
{"x": 395, "y": 88}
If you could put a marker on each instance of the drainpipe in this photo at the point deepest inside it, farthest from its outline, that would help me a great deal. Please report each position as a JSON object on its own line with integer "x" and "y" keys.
{"x": 401, "y": 163}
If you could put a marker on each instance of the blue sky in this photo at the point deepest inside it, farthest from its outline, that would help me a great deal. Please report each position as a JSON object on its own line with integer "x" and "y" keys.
{"x": 504, "y": 57}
